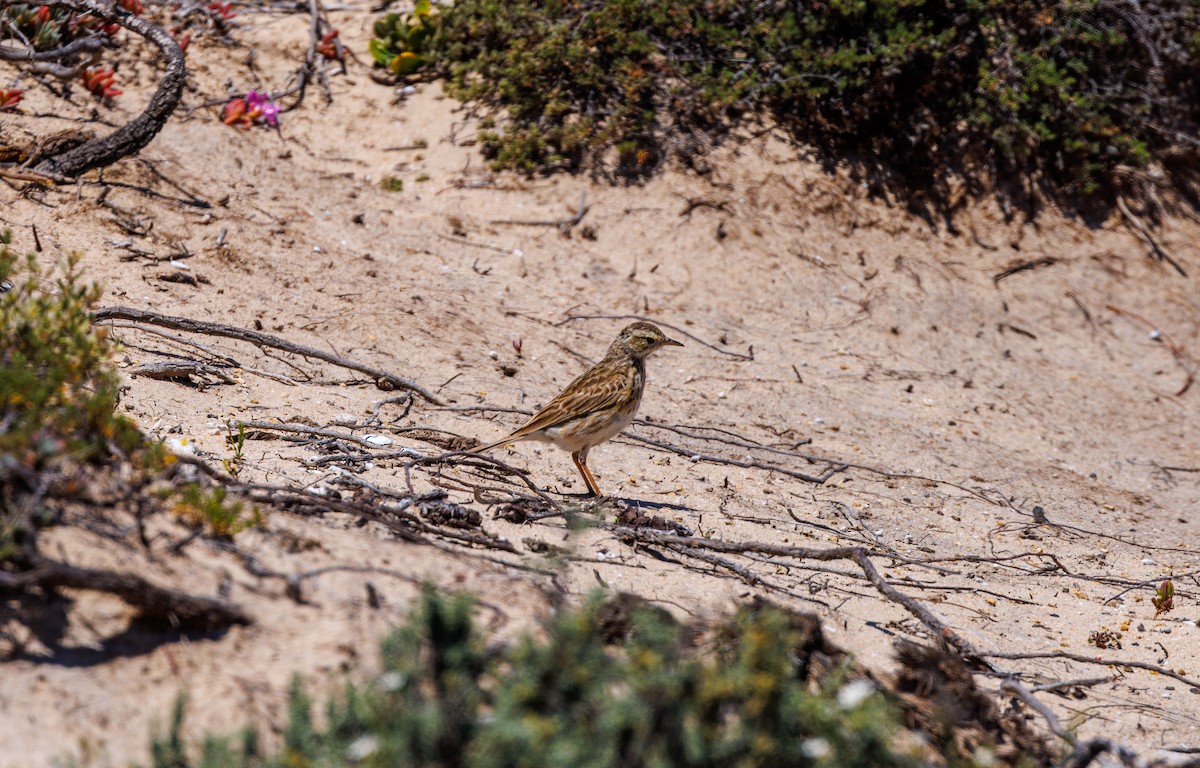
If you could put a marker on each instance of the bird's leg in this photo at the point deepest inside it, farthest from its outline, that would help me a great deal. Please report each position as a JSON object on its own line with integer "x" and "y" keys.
{"x": 580, "y": 460}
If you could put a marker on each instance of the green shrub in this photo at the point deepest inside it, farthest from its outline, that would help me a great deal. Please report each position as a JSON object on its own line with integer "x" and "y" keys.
{"x": 571, "y": 696}
{"x": 57, "y": 392}
{"x": 1070, "y": 92}
{"x": 212, "y": 510}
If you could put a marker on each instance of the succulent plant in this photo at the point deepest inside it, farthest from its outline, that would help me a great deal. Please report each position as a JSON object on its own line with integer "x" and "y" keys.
{"x": 401, "y": 40}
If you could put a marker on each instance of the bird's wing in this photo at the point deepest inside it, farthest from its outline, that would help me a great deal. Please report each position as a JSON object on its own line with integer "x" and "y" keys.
{"x": 597, "y": 389}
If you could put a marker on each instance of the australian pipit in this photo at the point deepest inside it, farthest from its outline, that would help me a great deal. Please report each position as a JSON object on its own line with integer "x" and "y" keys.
{"x": 599, "y": 404}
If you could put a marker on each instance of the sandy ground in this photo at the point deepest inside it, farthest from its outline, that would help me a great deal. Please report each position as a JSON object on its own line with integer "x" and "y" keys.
{"x": 810, "y": 311}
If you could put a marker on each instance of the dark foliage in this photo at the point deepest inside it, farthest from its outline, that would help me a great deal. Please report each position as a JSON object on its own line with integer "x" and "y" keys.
{"x": 1072, "y": 96}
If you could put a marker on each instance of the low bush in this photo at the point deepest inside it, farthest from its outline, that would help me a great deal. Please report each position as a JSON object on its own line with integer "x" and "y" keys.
{"x": 1072, "y": 95}
{"x": 601, "y": 686}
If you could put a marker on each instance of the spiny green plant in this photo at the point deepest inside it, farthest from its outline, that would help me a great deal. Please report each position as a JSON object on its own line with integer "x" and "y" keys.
{"x": 401, "y": 40}
{"x": 589, "y": 690}
{"x": 58, "y": 394}
{"x": 211, "y": 508}
{"x": 236, "y": 441}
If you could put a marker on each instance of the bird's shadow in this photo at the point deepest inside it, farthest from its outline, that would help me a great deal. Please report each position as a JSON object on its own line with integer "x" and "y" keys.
{"x": 654, "y": 505}
{"x": 590, "y": 501}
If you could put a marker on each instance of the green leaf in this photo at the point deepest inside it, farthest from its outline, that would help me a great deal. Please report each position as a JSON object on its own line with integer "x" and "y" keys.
{"x": 417, "y": 37}
{"x": 380, "y": 52}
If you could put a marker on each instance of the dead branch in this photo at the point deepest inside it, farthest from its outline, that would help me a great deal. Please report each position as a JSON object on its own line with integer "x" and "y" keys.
{"x": 859, "y": 555}
{"x": 563, "y": 224}
{"x": 177, "y": 339}
{"x": 693, "y": 203}
{"x": 1045, "y": 261}
{"x": 486, "y": 246}
{"x": 1142, "y": 231}
{"x": 572, "y": 318}
{"x": 1060, "y": 685}
{"x": 833, "y": 469}
{"x": 1095, "y": 660}
{"x": 383, "y": 379}
{"x": 82, "y": 45}
{"x": 1024, "y": 694}
{"x": 733, "y": 438}
{"x": 312, "y": 59}
{"x": 1181, "y": 357}
{"x": 181, "y": 608}
{"x": 179, "y": 369}
{"x": 393, "y": 515}
{"x": 136, "y": 134}
{"x": 304, "y": 429}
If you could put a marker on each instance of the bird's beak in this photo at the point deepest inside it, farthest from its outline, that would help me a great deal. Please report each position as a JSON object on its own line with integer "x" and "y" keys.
{"x": 672, "y": 343}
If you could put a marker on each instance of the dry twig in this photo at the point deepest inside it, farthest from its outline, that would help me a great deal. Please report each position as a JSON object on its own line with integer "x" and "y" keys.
{"x": 1143, "y": 232}
{"x": 564, "y": 225}
{"x": 1181, "y": 357}
{"x": 383, "y": 379}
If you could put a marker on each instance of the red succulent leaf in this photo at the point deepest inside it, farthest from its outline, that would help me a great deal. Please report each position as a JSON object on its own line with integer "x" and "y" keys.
{"x": 234, "y": 111}
{"x": 223, "y": 10}
{"x": 100, "y": 81}
{"x": 327, "y": 47}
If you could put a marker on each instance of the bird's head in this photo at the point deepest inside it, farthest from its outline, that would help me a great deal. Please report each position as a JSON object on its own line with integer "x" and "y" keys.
{"x": 643, "y": 338}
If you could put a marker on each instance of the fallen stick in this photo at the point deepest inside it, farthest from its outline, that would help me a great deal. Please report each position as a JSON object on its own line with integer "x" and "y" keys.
{"x": 304, "y": 429}
{"x": 177, "y": 339}
{"x": 1045, "y": 261}
{"x": 1143, "y": 232}
{"x": 858, "y": 554}
{"x": 1011, "y": 685}
{"x": 179, "y": 369}
{"x": 1176, "y": 351}
{"x": 1096, "y": 660}
{"x": 563, "y": 224}
{"x": 833, "y": 469}
{"x": 383, "y": 379}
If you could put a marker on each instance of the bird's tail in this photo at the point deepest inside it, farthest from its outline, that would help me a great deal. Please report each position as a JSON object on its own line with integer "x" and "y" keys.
{"x": 496, "y": 444}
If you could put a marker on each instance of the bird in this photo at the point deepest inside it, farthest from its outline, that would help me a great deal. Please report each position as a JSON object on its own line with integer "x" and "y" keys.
{"x": 599, "y": 403}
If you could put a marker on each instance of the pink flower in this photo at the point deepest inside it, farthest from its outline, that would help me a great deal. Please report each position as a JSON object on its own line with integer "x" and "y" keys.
{"x": 267, "y": 109}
